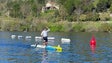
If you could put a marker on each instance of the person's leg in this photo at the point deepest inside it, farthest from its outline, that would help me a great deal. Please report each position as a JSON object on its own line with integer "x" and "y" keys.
{"x": 46, "y": 41}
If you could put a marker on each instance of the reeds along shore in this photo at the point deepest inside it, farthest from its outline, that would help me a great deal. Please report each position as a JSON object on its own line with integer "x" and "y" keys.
{"x": 61, "y": 26}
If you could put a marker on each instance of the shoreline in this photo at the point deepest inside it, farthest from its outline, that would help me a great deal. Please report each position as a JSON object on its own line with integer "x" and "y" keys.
{"x": 61, "y": 26}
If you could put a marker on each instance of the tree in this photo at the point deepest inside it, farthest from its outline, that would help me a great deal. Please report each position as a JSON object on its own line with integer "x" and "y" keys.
{"x": 102, "y": 5}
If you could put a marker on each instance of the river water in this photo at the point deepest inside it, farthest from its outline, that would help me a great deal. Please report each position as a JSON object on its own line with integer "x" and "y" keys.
{"x": 77, "y": 51}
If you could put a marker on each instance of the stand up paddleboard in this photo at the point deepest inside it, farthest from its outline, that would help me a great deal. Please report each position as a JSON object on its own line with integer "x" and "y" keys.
{"x": 52, "y": 48}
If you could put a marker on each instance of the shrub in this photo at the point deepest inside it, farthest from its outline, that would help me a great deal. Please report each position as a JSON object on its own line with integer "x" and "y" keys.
{"x": 71, "y": 18}
{"x": 66, "y": 26}
{"x": 10, "y": 25}
{"x": 55, "y": 27}
{"x": 104, "y": 16}
{"x": 49, "y": 15}
{"x": 111, "y": 8}
{"x": 106, "y": 27}
{"x": 92, "y": 17}
{"x": 91, "y": 26}
{"x": 78, "y": 27}
{"x": 82, "y": 17}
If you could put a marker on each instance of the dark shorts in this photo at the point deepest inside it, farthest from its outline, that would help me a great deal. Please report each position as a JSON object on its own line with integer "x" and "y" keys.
{"x": 46, "y": 39}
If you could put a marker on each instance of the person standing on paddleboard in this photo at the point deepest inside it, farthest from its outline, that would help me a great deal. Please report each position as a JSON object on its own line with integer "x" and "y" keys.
{"x": 44, "y": 35}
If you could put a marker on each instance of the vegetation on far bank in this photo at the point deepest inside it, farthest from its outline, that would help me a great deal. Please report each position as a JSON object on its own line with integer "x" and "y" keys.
{"x": 10, "y": 24}
{"x": 72, "y": 15}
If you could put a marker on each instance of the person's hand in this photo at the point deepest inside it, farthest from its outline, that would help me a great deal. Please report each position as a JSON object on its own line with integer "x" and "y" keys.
{"x": 46, "y": 27}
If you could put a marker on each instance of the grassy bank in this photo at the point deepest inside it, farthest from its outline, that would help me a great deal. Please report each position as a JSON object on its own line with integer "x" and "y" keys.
{"x": 11, "y": 24}
{"x": 101, "y": 26}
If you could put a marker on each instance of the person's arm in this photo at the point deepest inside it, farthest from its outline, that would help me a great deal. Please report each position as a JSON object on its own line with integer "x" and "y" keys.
{"x": 42, "y": 34}
{"x": 48, "y": 29}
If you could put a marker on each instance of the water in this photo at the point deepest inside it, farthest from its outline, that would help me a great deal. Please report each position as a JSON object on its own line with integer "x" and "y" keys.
{"x": 78, "y": 51}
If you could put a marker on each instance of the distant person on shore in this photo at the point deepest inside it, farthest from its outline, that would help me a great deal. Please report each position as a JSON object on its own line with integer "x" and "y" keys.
{"x": 44, "y": 35}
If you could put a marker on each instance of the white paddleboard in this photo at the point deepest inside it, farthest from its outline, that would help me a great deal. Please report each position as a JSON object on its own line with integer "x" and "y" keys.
{"x": 39, "y": 46}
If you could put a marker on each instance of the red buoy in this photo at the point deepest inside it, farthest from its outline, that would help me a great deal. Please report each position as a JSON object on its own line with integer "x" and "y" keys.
{"x": 93, "y": 44}
{"x": 93, "y": 41}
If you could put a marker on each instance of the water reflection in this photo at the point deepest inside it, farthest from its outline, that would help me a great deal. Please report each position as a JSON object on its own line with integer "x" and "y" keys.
{"x": 93, "y": 48}
{"x": 50, "y": 56}
{"x": 44, "y": 56}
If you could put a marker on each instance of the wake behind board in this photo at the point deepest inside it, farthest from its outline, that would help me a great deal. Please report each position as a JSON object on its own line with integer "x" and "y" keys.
{"x": 53, "y": 48}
